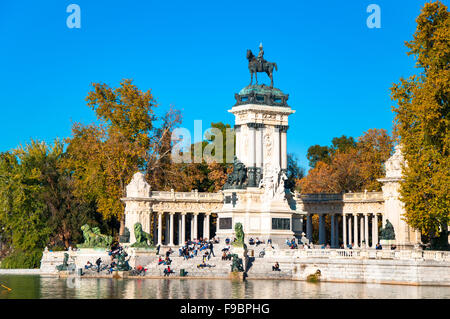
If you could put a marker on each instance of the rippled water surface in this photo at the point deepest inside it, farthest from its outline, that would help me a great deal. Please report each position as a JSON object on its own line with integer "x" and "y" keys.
{"x": 34, "y": 287}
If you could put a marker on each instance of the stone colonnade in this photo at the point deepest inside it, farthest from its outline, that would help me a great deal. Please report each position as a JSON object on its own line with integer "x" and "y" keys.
{"x": 359, "y": 230}
{"x": 180, "y": 227}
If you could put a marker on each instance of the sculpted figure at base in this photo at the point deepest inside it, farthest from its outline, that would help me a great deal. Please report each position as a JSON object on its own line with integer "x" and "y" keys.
{"x": 387, "y": 233}
{"x": 143, "y": 239}
{"x": 238, "y": 229}
{"x": 237, "y": 178}
{"x": 236, "y": 264}
{"x": 93, "y": 238}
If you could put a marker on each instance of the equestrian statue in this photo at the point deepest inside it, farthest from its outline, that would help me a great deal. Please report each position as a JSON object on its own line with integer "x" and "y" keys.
{"x": 258, "y": 64}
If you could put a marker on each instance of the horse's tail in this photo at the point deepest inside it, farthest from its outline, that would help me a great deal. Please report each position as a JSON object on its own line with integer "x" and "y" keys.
{"x": 275, "y": 65}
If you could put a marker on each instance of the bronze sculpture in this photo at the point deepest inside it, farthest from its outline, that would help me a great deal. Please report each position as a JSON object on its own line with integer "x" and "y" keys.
{"x": 258, "y": 64}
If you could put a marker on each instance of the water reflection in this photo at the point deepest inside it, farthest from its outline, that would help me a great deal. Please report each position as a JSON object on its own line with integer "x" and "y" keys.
{"x": 93, "y": 288}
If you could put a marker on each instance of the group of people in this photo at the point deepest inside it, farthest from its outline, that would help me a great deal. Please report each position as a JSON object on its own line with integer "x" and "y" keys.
{"x": 291, "y": 243}
{"x": 192, "y": 248}
{"x": 256, "y": 241}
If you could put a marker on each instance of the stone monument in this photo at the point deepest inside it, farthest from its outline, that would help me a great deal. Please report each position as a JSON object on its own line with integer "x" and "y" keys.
{"x": 255, "y": 195}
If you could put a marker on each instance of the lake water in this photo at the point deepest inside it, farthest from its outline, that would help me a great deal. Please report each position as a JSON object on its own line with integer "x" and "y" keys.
{"x": 36, "y": 287}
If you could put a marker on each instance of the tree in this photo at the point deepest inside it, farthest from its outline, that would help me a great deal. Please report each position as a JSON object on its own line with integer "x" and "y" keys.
{"x": 422, "y": 122}
{"x": 317, "y": 153}
{"x": 342, "y": 144}
{"x": 351, "y": 166}
{"x": 104, "y": 157}
{"x": 374, "y": 149}
{"x": 294, "y": 171}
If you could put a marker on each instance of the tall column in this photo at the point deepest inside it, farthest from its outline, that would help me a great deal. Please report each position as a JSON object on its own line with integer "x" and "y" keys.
{"x": 259, "y": 148}
{"x": 350, "y": 230}
{"x": 322, "y": 237}
{"x": 366, "y": 229}
{"x": 283, "y": 134}
{"x": 355, "y": 231}
{"x": 191, "y": 225}
{"x": 171, "y": 229}
{"x": 309, "y": 227}
{"x": 183, "y": 228}
{"x": 336, "y": 231}
{"x": 344, "y": 229}
{"x": 251, "y": 144}
{"x": 375, "y": 229}
{"x": 180, "y": 240}
{"x": 207, "y": 223}
{"x": 333, "y": 231}
{"x": 195, "y": 225}
{"x": 276, "y": 147}
{"x": 238, "y": 140}
{"x": 361, "y": 231}
{"x": 160, "y": 228}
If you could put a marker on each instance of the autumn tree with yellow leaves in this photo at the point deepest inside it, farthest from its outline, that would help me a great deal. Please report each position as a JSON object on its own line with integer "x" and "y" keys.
{"x": 422, "y": 122}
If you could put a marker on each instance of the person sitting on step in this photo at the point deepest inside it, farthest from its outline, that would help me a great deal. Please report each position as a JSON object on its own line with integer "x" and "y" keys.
{"x": 276, "y": 267}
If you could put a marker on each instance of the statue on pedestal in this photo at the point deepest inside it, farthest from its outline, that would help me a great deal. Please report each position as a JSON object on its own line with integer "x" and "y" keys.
{"x": 258, "y": 64}
{"x": 237, "y": 178}
{"x": 93, "y": 238}
{"x": 387, "y": 233}
{"x": 143, "y": 239}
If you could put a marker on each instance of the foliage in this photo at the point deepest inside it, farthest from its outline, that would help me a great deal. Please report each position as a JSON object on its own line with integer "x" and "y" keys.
{"x": 294, "y": 171}
{"x": 22, "y": 259}
{"x": 350, "y": 166}
{"x": 422, "y": 122}
{"x": 104, "y": 157}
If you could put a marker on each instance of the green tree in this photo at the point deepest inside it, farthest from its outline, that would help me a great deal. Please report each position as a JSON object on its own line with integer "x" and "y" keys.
{"x": 317, "y": 153}
{"x": 294, "y": 171}
{"x": 342, "y": 144}
{"x": 422, "y": 122}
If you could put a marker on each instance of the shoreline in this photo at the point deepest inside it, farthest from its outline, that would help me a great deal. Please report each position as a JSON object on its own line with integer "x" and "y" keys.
{"x": 252, "y": 278}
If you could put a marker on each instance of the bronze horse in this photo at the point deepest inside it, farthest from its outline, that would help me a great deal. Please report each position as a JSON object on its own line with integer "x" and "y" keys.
{"x": 254, "y": 67}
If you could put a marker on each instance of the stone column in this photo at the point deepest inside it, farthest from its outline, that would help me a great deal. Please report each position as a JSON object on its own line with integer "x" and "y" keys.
{"x": 195, "y": 225}
{"x": 375, "y": 229}
{"x": 180, "y": 240}
{"x": 238, "y": 141}
{"x": 366, "y": 229}
{"x": 283, "y": 134}
{"x": 192, "y": 226}
{"x": 309, "y": 227}
{"x": 259, "y": 148}
{"x": 344, "y": 229}
{"x": 276, "y": 147}
{"x": 183, "y": 228}
{"x": 333, "y": 231}
{"x": 355, "y": 231}
{"x": 350, "y": 230}
{"x": 160, "y": 228}
{"x": 336, "y": 231}
{"x": 207, "y": 229}
{"x": 171, "y": 229}
{"x": 322, "y": 237}
{"x": 361, "y": 228}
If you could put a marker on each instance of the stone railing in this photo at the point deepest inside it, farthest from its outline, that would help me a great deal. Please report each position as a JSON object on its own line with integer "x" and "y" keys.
{"x": 377, "y": 196}
{"x": 165, "y": 195}
{"x": 365, "y": 253}
{"x": 318, "y": 197}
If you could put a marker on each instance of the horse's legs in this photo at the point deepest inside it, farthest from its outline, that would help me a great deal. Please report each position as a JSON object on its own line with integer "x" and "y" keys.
{"x": 251, "y": 79}
{"x": 270, "y": 74}
{"x": 256, "y": 77}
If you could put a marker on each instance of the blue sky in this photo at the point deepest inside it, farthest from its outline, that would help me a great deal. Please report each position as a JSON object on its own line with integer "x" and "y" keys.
{"x": 335, "y": 69}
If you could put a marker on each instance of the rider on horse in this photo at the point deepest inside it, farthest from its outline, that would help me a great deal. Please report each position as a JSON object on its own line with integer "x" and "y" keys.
{"x": 260, "y": 57}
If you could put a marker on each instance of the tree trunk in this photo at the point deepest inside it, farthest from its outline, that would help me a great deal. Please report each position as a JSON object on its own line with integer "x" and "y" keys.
{"x": 122, "y": 226}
